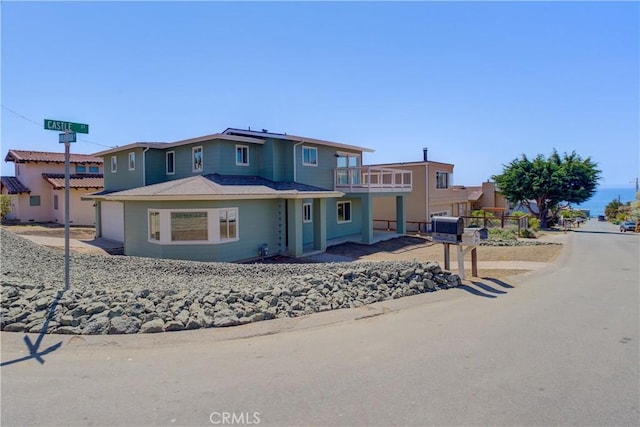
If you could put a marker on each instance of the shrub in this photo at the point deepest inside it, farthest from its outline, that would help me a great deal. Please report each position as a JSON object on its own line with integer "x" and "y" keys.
{"x": 503, "y": 234}
{"x": 534, "y": 224}
{"x": 527, "y": 233}
{"x": 5, "y": 206}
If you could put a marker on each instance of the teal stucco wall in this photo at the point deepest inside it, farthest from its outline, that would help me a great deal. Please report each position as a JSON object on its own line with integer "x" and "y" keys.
{"x": 334, "y": 229}
{"x": 123, "y": 178}
{"x": 257, "y": 224}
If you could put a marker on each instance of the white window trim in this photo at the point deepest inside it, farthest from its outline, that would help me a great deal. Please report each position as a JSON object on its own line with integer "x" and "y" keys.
{"x": 193, "y": 157}
{"x": 448, "y": 179}
{"x": 132, "y": 160}
{"x": 242, "y": 147}
{"x": 344, "y": 154}
{"x": 166, "y": 163}
{"x": 306, "y": 147}
{"x": 114, "y": 164}
{"x": 213, "y": 227}
{"x": 350, "y": 212}
{"x": 309, "y": 206}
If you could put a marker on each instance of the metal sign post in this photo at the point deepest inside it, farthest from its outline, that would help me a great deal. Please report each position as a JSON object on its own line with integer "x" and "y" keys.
{"x": 66, "y": 138}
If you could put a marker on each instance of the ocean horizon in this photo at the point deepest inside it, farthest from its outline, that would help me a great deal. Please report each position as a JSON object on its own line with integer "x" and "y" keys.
{"x": 605, "y": 195}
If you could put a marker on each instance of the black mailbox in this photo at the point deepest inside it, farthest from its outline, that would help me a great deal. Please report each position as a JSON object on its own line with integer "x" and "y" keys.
{"x": 447, "y": 229}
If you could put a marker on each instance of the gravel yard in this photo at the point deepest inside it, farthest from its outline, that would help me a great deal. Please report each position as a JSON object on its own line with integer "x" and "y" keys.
{"x": 116, "y": 294}
{"x": 121, "y": 294}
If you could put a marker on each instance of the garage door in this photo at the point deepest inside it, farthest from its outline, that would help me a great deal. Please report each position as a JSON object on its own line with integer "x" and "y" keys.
{"x": 112, "y": 220}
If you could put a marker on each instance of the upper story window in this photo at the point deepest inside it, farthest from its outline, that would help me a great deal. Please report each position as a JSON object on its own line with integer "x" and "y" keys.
{"x": 94, "y": 169}
{"x": 132, "y": 161}
{"x": 171, "y": 162}
{"x": 81, "y": 169}
{"x": 348, "y": 160}
{"x": 309, "y": 156}
{"x": 442, "y": 180}
{"x": 17, "y": 170}
{"x": 306, "y": 212}
{"x": 197, "y": 159}
{"x": 242, "y": 155}
{"x": 34, "y": 200}
{"x": 114, "y": 164}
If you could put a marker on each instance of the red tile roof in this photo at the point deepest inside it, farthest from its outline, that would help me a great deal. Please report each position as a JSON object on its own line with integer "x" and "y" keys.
{"x": 14, "y": 186}
{"x": 75, "y": 180}
{"x": 21, "y": 156}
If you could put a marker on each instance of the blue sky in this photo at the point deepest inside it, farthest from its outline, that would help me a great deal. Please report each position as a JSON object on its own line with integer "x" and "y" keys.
{"x": 477, "y": 83}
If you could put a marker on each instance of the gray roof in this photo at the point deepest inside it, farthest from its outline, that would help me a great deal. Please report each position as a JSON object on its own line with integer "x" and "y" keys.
{"x": 220, "y": 187}
{"x": 266, "y": 134}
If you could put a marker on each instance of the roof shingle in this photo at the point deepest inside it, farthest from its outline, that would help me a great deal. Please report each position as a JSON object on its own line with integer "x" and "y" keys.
{"x": 23, "y": 156}
{"x": 75, "y": 180}
{"x": 214, "y": 186}
{"x": 14, "y": 186}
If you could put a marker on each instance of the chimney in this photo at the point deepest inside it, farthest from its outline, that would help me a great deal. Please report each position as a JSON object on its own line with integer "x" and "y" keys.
{"x": 425, "y": 150}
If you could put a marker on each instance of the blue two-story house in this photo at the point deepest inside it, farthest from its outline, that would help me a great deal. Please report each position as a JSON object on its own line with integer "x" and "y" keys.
{"x": 235, "y": 195}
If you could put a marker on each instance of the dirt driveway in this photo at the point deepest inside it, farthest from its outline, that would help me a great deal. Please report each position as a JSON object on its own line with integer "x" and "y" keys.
{"x": 51, "y": 230}
{"x": 498, "y": 261}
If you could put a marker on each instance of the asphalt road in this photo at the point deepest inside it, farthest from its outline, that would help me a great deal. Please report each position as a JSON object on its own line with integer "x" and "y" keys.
{"x": 554, "y": 347}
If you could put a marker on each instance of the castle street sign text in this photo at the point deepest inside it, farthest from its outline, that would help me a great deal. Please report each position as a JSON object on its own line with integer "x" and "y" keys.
{"x": 65, "y": 126}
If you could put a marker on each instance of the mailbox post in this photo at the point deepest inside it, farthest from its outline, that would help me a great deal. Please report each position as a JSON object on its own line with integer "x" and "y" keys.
{"x": 450, "y": 231}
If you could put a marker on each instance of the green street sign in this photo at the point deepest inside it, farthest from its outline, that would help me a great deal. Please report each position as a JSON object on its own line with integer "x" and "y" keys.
{"x": 61, "y": 126}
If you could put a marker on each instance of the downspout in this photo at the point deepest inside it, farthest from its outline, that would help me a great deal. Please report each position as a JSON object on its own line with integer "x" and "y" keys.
{"x": 426, "y": 190}
{"x": 144, "y": 166}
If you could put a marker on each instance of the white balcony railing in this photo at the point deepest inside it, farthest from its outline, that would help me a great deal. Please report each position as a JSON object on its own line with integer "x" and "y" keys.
{"x": 372, "y": 179}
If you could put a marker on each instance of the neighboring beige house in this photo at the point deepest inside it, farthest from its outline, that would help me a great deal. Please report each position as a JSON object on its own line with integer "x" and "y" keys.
{"x": 37, "y": 187}
{"x": 433, "y": 195}
{"x": 487, "y": 197}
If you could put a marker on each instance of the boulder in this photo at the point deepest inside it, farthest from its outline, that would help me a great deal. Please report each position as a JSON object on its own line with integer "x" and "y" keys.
{"x": 225, "y": 318}
{"x": 97, "y": 326}
{"x": 124, "y": 325}
{"x": 152, "y": 326}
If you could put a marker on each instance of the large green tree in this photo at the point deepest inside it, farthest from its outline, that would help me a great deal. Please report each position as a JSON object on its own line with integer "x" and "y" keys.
{"x": 549, "y": 182}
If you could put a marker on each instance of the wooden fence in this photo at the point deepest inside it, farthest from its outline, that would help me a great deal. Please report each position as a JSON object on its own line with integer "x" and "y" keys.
{"x": 504, "y": 221}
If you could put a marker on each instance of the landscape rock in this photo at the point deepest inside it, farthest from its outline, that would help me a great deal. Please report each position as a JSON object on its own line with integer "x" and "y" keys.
{"x": 124, "y": 295}
{"x": 124, "y": 325}
{"x": 152, "y": 326}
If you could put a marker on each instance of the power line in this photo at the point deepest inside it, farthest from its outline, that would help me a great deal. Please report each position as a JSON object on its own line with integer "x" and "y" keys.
{"x": 20, "y": 115}
{"x": 40, "y": 126}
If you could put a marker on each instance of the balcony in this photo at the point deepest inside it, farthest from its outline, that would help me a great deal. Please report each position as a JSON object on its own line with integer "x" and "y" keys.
{"x": 368, "y": 179}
